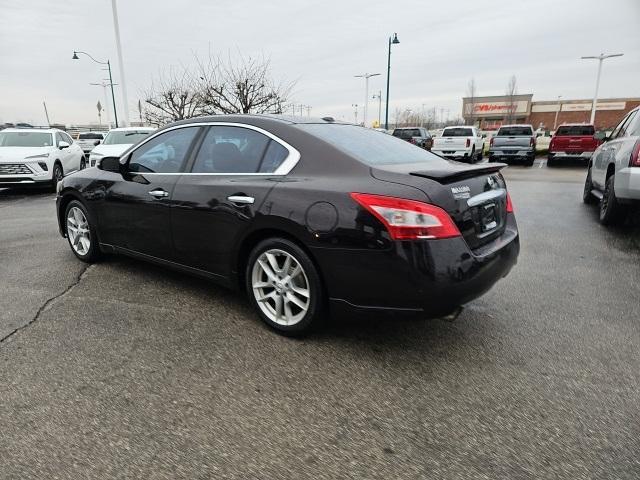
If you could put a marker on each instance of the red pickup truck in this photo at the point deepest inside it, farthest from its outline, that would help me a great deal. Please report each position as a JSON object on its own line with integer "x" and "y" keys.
{"x": 572, "y": 141}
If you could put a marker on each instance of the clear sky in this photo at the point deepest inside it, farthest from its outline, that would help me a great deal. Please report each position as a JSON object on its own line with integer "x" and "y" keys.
{"x": 321, "y": 45}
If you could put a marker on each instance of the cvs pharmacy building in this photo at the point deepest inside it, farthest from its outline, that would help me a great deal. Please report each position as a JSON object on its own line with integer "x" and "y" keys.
{"x": 489, "y": 113}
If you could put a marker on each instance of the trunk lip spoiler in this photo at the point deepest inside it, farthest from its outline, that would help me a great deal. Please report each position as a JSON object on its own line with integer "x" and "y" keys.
{"x": 451, "y": 175}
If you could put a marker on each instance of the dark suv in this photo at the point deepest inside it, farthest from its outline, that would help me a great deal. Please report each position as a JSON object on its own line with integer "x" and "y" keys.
{"x": 417, "y": 135}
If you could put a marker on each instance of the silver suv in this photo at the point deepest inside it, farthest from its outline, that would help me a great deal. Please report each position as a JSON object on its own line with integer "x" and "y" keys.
{"x": 613, "y": 177}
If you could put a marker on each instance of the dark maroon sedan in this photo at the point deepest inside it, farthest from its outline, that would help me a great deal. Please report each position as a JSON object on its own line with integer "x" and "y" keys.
{"x": 301, "y": 214}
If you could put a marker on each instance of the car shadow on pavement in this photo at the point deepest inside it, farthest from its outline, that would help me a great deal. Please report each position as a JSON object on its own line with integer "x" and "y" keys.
{"x": 23, "y": 192}
{"x": 373, "y": 332}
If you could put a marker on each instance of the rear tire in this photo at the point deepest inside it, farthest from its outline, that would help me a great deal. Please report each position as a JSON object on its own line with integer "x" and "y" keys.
{"x": 587, "y": 196}
{"x": 611, "y": 212}
{"x": 530, "y": 161}
{"x": 479, "y": 159}
{"x": 83, "y": 163}
{"x": 284, "y": 287}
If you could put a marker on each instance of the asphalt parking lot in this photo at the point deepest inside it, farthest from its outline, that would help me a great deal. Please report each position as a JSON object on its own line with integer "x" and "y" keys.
{"x": 125, "y": 370}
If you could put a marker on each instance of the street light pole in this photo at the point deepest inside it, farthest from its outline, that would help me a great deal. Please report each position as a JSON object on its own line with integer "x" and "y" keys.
{"x": 123, "y": 82}
{"x": 106, "y": 100}
{"x": 394, "y": 41}
{"x": 355, "y": 114}
{"x": 555, "y": 122}
{"x": 366, "y": 77}
{"x": 108, "y": 64}
{"x": 600, "y": 59}
{"x": 379, "y": 97}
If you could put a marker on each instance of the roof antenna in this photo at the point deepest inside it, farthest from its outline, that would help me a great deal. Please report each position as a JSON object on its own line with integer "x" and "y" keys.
{"x": 328, "y": 119}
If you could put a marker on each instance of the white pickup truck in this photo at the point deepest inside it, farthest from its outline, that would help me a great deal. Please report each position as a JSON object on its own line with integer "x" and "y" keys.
{"x": 459, "y": 143}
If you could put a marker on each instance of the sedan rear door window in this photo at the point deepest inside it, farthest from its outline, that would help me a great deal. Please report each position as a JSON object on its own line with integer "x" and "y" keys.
{"x": 227, "y": 149}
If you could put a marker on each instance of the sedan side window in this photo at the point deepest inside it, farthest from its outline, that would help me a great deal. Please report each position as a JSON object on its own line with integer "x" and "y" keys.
{"x": 619, "y": 127}
{"x": 634, "y": 129}
{"x": 165, "y": 153}
{"x": 227, "y": 149}
{"x": 625, "y": 131}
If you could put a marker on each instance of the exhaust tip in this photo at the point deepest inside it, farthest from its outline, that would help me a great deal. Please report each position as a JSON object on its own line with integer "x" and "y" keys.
{"x": 453, "y": 315}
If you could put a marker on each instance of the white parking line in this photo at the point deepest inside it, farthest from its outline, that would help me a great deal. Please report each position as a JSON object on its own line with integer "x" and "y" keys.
{"x": 542, "y": 163}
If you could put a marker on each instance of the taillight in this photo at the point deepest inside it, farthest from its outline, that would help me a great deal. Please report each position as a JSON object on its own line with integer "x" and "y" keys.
{"x": 634, "y": 160}
{"x": 509, "y": 204}
{"x": 532, "y": 142}
{"x": 413, "y": 140}
{"x": 491, "y": 142}
{"x": 468, "y": 142}
{"x": 408, "y": 219}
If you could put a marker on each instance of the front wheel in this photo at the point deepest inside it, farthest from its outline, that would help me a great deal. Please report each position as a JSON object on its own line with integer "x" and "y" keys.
{"x": 81, "y": 232}
{"x": 284, "y": 287}
{"x": 56, "y": 175}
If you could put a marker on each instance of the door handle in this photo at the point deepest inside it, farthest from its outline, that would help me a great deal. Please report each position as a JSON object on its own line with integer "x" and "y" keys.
{"x": 241, "y": 199}
{"x": 159, "y": 193}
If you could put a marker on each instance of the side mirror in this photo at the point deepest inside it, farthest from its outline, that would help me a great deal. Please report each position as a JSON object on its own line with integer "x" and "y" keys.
{"x": 96, "y": 143}
{"x": 109, "y": 164}
{"x": 63, "y": 144}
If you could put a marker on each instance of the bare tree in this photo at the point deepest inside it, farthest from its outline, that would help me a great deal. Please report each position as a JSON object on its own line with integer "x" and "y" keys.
{"x": 172, "y": 96}
{"x": 240, "y": 85}
{"x": 471, "y": 96}
{"x": 511, "y": 92}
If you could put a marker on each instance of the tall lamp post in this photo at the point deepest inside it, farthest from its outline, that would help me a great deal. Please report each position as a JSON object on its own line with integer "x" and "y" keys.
{"x": 555, "y": 122}
{"x": 378, "y": 96}
{"x": 113, "y": 97}
{"x": 392, "y": 40}
{"x": 123, "y": 86}
{"x": 366, "y": 77}
{"x": 355, "y": 112}
{"x": 600, "y": 58}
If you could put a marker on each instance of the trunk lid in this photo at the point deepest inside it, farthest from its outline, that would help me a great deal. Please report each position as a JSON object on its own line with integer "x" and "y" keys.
{"x": 474, "y": 195}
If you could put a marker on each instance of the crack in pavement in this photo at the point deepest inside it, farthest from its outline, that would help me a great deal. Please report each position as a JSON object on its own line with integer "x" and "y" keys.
{"x": 45, "y": 306}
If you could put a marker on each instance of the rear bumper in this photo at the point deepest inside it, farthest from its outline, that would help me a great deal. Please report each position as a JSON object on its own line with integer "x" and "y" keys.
{"x": 627, "y": 183}
{"x": 431, "y": 277}
{"x": 584, "y": 155}
{"x": 453, "y": 154}
{"x": 514, "y": 153}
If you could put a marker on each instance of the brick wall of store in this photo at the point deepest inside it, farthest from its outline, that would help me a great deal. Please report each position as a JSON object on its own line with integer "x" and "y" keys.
{"x": 605, "y": 119}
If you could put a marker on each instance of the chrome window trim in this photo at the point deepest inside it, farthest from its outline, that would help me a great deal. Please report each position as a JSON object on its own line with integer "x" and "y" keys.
{"x": 285, "y": 167}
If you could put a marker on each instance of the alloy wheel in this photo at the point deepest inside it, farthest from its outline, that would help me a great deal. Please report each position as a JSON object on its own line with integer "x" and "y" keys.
{"x": 281, "y": 287}
{"x": 78, "y": 231}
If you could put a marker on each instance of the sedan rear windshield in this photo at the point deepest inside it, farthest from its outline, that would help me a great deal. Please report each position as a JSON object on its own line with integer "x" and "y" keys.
{"x": 457, "y": 132}
{"x": 515, "y": 132}
{"x": 90, "y": 136}
{"x": 123, "y": 137}
{"x": 406, "y": 132}
{"x": 25, "y": 139}
{"x": 574, "y": 130}
{"x": 369, "y": 146}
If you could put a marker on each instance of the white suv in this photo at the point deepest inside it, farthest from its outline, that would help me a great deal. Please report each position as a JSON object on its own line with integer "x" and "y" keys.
{"x": 31, "y": 156}
{"x": 614, "y": 171}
